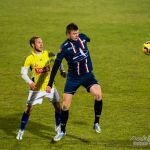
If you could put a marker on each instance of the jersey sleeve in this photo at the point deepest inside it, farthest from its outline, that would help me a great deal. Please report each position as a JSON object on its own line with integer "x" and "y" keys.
{"x": 85, "y": 37}
{"x": 24, "y": 69}
{"x": 61, "y": 54}
{"x": 27, "y": 62}
{"x": 24, "y": 75}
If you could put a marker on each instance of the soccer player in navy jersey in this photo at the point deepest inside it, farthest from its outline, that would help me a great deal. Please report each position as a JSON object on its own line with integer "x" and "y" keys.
{"x": 76, "y": 53}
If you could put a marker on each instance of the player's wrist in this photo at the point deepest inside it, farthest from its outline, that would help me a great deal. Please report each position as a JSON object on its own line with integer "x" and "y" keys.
{"x": 63, "y": 71}
{"x": 50, "y": 84}
{"x": 30, "y": 82}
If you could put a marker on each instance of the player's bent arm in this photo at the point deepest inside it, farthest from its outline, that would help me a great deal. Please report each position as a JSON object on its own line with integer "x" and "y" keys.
{"x": 54, "y": 71}
{"x": 24, "y": 75}
{"x": 60, "y": 55}
{"x": 84, "y": 36}
{"x": 62, "y": 71}
{"x": 61, "y": 68}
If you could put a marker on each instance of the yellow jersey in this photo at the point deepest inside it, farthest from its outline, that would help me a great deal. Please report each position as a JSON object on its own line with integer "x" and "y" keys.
{"x": 41, "y": 67}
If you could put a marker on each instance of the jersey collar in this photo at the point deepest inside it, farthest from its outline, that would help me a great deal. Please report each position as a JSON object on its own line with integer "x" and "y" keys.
{"x": 71, "y": 40}
{"x": 33, "y": 53}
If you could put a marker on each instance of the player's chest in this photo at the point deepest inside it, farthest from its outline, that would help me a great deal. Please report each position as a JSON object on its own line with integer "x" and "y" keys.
{"x": 40, "y": 62}
{"x": 77, "y": 52}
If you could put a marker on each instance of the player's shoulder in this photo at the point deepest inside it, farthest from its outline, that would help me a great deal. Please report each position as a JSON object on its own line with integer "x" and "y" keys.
{"x": 65, "y": 44}
{"x": 29, "y": 57}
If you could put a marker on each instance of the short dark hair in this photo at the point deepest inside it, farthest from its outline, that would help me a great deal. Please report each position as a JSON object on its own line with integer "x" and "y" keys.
{"x": 70, "y": 27}
{"x": 32, "y": 40}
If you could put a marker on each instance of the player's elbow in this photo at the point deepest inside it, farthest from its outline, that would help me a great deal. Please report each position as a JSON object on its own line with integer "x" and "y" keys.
{"x": 22, "y": 76}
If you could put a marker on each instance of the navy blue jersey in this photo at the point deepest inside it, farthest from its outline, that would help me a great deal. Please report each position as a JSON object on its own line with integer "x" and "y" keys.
{"x": 77, "y": 56}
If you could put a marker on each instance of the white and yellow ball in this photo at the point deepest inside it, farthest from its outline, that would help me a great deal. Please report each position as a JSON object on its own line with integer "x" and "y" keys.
{"x": 146, "y": 48}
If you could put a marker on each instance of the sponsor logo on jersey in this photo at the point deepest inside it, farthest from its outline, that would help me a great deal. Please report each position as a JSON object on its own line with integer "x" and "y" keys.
{"x": 42, "y": 70}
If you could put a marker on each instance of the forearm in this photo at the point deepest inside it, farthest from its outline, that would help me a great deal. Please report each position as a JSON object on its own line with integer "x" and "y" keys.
{"x": 24, "y": 75}
{"x": 54, "y": 72}
{"x": 61, "y": 68}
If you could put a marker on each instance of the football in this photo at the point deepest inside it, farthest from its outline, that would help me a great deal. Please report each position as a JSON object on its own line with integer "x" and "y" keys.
{"x": 146, "y": 48}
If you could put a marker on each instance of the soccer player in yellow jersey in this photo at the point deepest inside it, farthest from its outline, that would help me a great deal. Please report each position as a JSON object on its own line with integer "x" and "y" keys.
{"x": 39, "y": 61}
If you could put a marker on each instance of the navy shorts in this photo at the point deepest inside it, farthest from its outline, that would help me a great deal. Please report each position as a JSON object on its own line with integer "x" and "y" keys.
{"x": 72, "y": 84}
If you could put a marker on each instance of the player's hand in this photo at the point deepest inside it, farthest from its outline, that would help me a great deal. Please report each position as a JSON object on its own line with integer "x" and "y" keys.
{"x": 48, "y": 89}
{"x": 32, "y": 86}
{"x": 63, "y": 74}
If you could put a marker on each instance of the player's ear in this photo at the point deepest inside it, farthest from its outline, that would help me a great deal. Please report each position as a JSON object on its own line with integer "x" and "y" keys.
{"x": 68, "y": 35}
{"x": 32, "y": 45}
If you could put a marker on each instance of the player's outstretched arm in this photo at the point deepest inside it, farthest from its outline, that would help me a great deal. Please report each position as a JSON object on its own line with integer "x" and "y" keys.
{"x": 58, "y": 60}
{"x": 61, "y": 68}
{"x": 53, "y": 74}
{"x": 62, "y": 71}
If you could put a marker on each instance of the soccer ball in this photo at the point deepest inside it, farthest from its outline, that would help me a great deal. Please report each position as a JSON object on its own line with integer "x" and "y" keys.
{"x": 146, "y": 48}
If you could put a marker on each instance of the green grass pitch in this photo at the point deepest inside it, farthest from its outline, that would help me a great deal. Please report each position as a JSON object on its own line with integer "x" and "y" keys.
{"x": 118, "y": 29}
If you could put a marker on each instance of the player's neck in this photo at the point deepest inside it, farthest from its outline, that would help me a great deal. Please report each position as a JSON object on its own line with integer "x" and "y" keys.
{"x": 37, "y": 52}
{"x": 72, "y": 40}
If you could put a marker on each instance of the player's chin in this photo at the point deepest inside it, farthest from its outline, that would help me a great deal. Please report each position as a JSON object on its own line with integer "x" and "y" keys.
{"x": 75, "y": 38}
{"x": 40, "y": 49}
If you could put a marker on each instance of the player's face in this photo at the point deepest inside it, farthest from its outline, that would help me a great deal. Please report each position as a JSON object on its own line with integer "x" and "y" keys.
{"x": 74, "y": 35}
{"x": 38, "y": 45}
